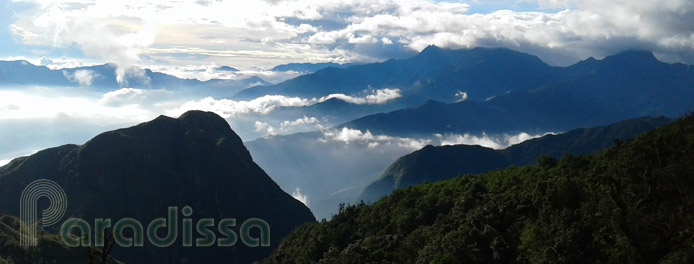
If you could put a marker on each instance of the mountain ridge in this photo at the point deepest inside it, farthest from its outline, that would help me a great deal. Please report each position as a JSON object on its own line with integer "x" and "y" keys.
{"x": 138, "y": 172}
{"x": 433, "y": 164}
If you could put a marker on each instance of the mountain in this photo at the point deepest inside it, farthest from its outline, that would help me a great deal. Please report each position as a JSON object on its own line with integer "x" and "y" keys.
{"x": 49, "y": 249}
{"x": 195, "y": 160}
{"x": 590, "y": 93}
{"x": 433, "y": 164}
{"x": 104, "y": 77}
{"x": 631, "y": 203}
{"x": 435, "y": 73}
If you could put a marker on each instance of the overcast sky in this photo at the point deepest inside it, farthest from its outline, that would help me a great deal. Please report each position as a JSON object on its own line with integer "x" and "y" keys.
{"x": 258, "y": 34}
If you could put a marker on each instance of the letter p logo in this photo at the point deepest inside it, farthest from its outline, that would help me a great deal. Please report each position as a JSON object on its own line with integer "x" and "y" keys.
{"x": 28, "y": 204}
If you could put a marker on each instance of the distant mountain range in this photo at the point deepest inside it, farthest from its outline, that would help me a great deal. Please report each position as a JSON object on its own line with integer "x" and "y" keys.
{"x": 138, "y": 172}
{"x": 104, "y": 77}
{"x": 433, "y": 164}
{"x": 435, "y": 73}
{"x": 589, "y": 93}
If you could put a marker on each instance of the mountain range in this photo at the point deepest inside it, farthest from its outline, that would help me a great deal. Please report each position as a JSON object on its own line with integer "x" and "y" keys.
{"x": 138, "y": 172}
{"x": 104, "y": 77}
{"x": 590, "y": 93}
{"x": 435, "y": 73}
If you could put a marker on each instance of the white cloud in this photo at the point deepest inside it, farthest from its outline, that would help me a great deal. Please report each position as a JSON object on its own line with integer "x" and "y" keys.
{"x": 379, "y": 97}
{"x": 228, "y": 108}
{"x": 48, "y": 102}
{"x": 462, "y": 95}
{"x": 287, "y": 125}
{"x": 300, "y": 197}
{"x": 263, "y": 127}
{"x": 82, "y": 77}
{"x": 128, "y": 96}
{"x": 266, "y": 33}
{"x": 495, "y": 142}
{"x": 4, "y": 162}
{"x": 349, "y": 135}
{"x": 268, "y": 103}
{"x": 206, "y": 72}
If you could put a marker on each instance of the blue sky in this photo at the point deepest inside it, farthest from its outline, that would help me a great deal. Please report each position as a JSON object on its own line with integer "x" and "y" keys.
{"x": 263, "y": 33}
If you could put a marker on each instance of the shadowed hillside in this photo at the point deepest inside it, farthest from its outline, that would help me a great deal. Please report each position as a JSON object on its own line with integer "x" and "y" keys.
{"x": 631, "y": 203}
{"x": 195, "y": 160}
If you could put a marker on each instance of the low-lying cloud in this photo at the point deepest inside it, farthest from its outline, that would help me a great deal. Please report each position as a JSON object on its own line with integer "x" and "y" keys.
{"x": 82, "y": 77}
{"x": 494, "y": 142}
{"x": 379, "y": 97}
{"x": 349, "y": 135}
{"x": 265, "y": 104}
{"x": 129, "y": 96}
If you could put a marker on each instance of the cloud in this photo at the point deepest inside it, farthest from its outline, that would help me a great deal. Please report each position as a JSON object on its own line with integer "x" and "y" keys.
{"x": 268, "y": 103}
{"x": 349, "y": 135}
{"x": 285, "y": 125}
{"x": 44, "y": 102}
{"x": 494, "y": 142}
{"x": 204, "y": 72}
{"x": 83, "y": 77}
{"x": 263, "y": 127}
{"x": 299, "y": 196}
{"x": 462, "y": 95}
{"x": 379, "y": 97}
{"x": 266, "y": 33}
{"x": 229, "y": 108}
{"x": 129, "y": 96}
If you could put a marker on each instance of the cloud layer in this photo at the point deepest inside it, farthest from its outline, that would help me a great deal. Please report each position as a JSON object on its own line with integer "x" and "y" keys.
{"x": 349, "y": 135}
{"x": 265, "y": 104}
{"x": 257, "y": 33}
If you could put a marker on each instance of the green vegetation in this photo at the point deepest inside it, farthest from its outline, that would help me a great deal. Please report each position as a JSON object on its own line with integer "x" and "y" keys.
{"x": 50, "y": 248}
{"x": 433, "y": 164}
{"x": 632, "y": 203}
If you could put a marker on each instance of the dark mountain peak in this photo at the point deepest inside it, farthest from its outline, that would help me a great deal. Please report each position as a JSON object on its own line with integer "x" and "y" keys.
{"x": 633, "y": 56}
{"x": 431, "y": 49}
{"x": 195, "y": 160}
{"x": 432, "y": 53}
{"x": 204, "y": 120}
{"x": 200, "y": 126}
